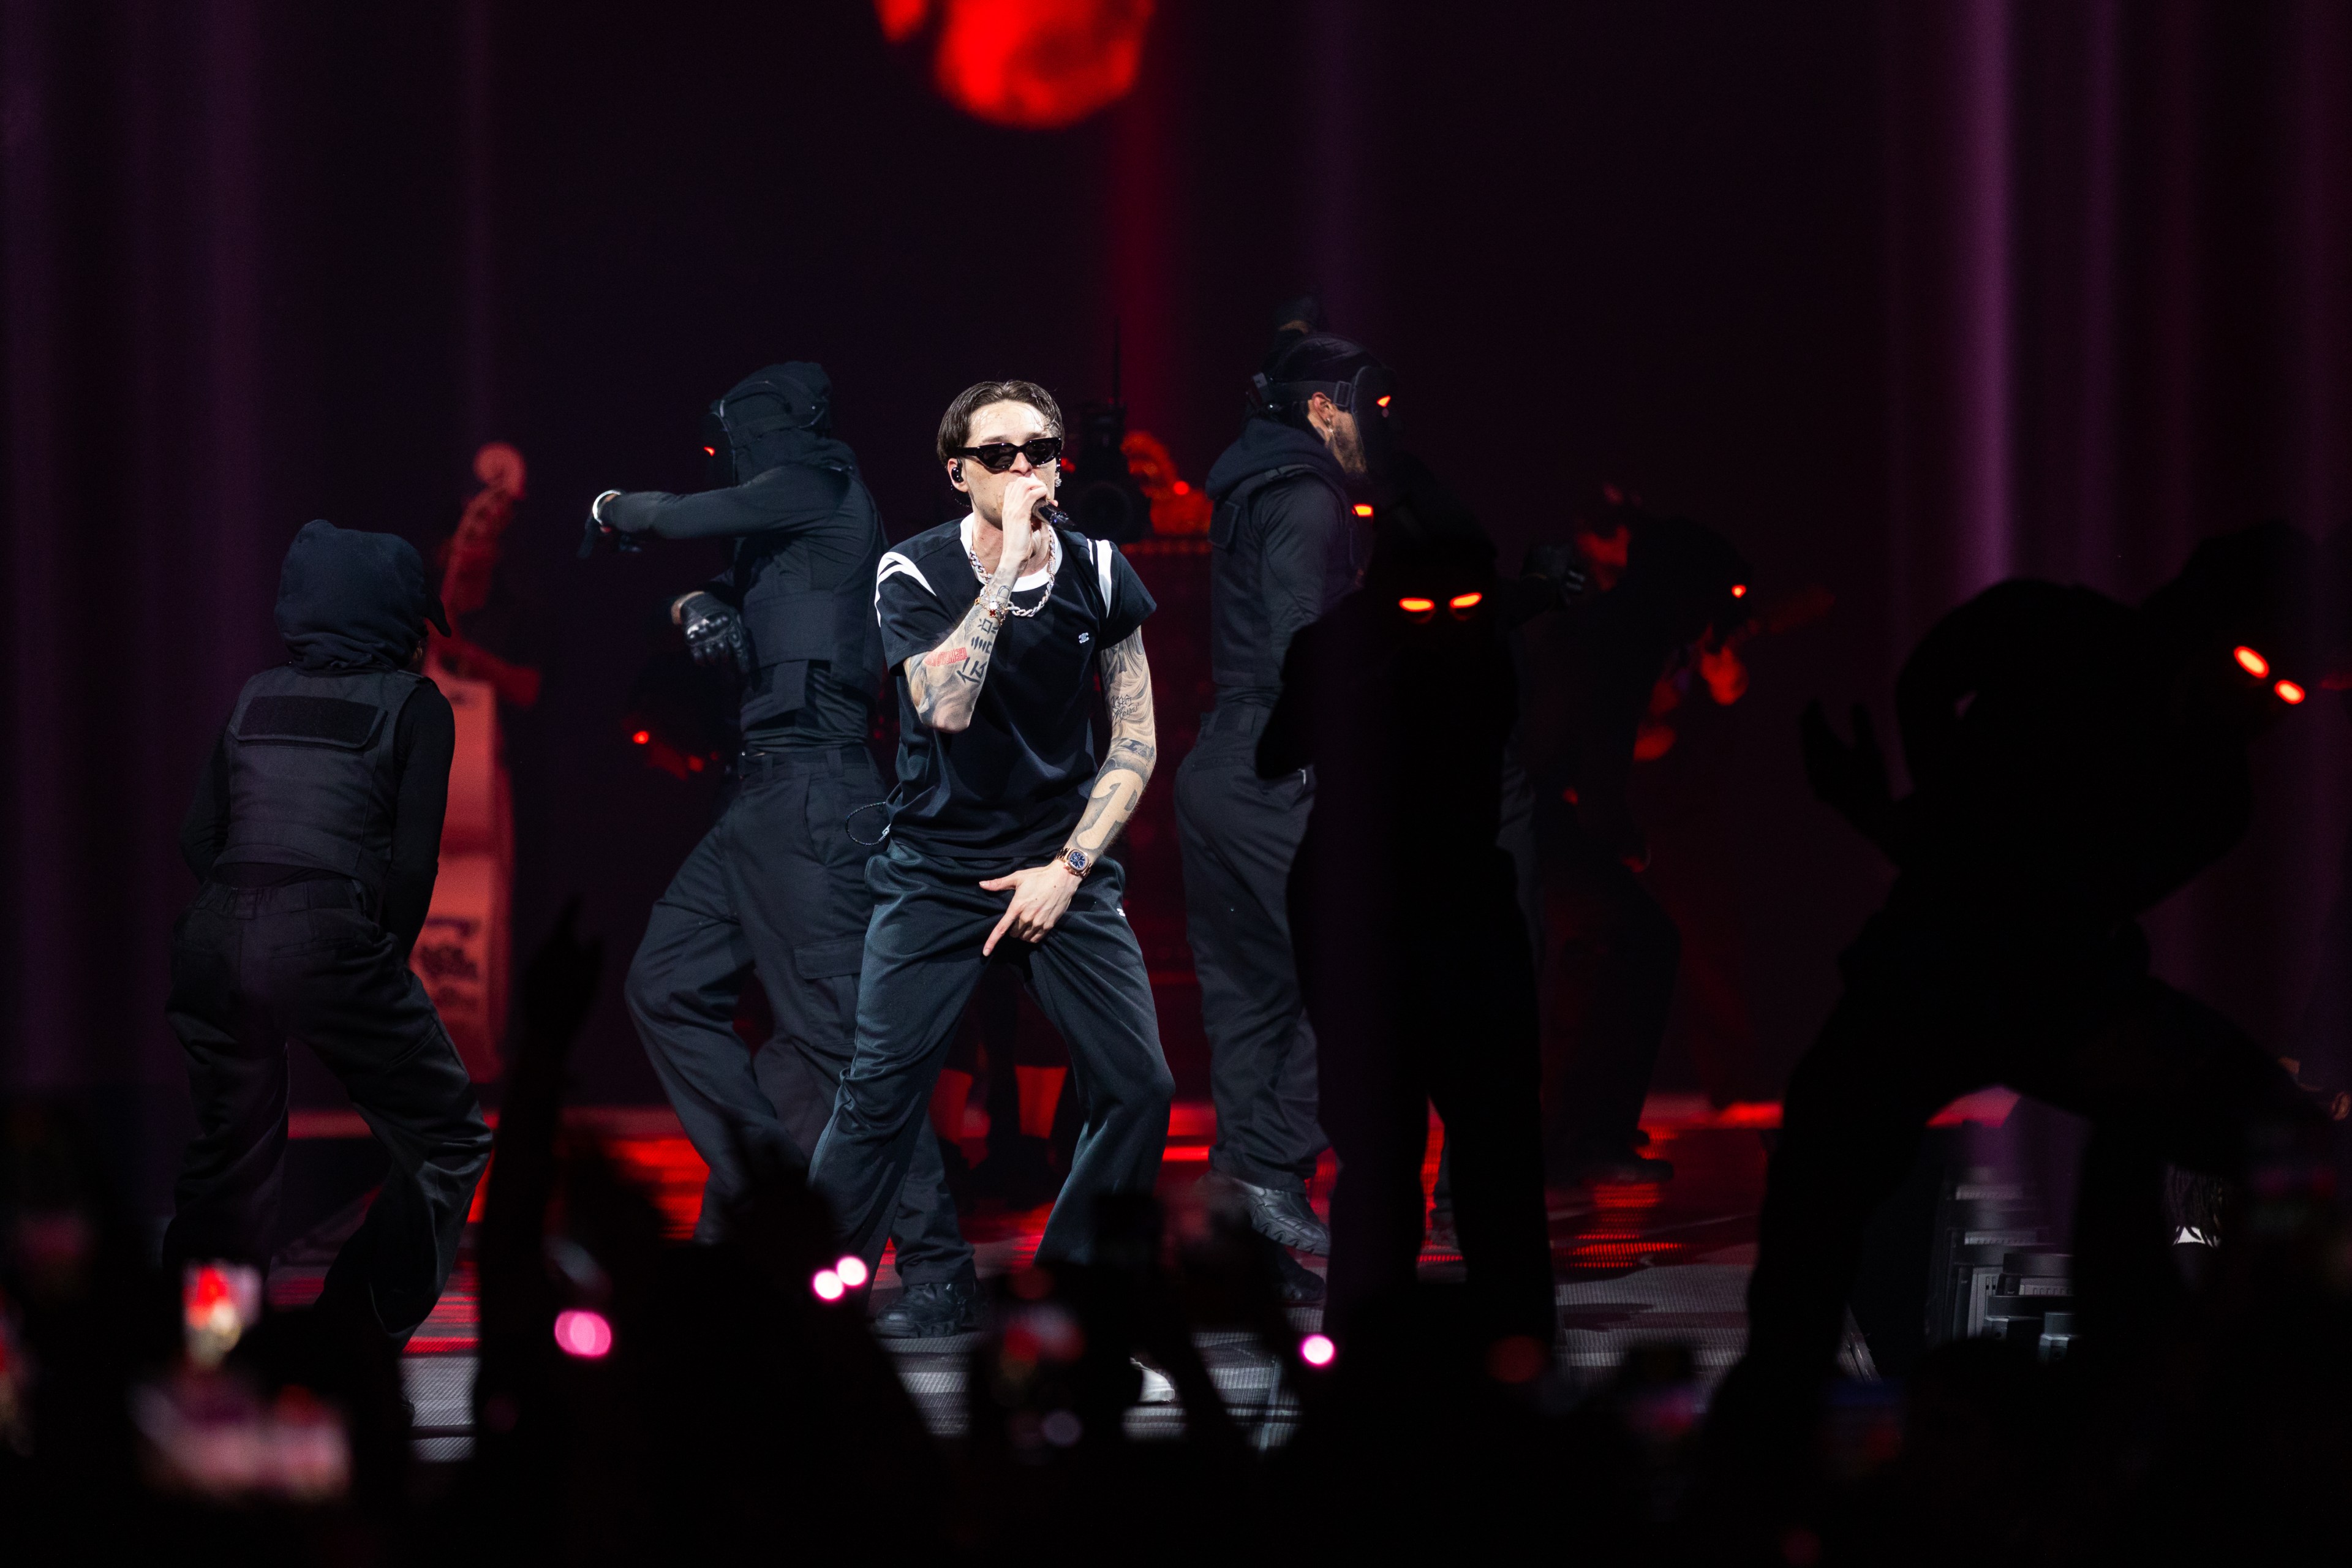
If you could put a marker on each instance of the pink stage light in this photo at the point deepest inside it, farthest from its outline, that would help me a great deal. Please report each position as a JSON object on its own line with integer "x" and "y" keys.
{"x": 851, "y": 1271}
{"x": 583, "y": 1334}
{"x": 828, "y": 1286}
{"x": 1317, "y": 1349}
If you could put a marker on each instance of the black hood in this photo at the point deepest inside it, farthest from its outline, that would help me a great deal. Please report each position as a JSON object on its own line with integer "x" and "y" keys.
{"x": 349, "y": 600}
{"x": 1266, "y": 444}
{"x": 778, "y": 415}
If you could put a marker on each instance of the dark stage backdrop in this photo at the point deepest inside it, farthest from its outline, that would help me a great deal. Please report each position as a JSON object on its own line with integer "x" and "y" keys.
{"x": 1903, "y": 296}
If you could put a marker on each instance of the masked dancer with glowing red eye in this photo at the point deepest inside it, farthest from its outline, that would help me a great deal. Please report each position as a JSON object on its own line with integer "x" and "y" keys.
{"x": 777, "y": 889}
{"x": 1412, "y": 945}
{"x": 2074, "y": 760}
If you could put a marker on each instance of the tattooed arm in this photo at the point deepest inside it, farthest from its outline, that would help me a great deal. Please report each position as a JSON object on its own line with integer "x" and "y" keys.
{"x": 1042, "y": 893}
{"x": 945, "y": 682}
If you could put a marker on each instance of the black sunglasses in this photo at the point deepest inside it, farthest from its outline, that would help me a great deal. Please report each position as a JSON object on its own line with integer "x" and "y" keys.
{"x": 997, "y": 456}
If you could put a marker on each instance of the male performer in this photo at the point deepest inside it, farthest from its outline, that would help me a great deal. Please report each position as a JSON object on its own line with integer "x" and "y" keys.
{"x": 1286, "y": 546}
{"x": 778, "y": 885}
{"x": 996, "y": 627}
{"x": 316, "y": 831}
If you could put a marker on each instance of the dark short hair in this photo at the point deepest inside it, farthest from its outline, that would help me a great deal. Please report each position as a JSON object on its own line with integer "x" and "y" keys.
{"x": 955, "y": 424}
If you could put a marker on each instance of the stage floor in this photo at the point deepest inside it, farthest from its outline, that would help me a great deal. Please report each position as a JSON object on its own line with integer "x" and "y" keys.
{"x": 1635, "y": 1264}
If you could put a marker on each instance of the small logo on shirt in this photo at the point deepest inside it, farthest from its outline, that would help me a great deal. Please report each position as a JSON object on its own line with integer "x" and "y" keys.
{"x": 1085, "y": 637}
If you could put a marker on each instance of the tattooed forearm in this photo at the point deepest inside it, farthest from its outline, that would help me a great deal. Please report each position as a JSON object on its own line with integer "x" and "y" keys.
{"x": 945, "y": 682}
{"x": 1134, "y": 747}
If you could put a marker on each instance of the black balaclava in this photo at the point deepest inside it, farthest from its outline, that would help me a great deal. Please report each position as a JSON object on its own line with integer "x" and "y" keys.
{"x": 2259, "y": 588}
{"x": 350, "y": 600}
{"x": 773, "y": 416}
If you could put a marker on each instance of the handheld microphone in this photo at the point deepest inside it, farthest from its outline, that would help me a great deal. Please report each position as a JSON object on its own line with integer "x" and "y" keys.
{"x": 1047, "y": 511}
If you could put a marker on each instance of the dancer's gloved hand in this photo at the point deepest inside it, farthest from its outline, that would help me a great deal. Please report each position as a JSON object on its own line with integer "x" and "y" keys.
{"x": 1850, "y": 777}
{"x": 714, "y": 632}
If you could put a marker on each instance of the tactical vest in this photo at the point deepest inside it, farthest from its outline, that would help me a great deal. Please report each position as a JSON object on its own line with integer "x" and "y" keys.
{"x": 312, "y": 780}
{"x": 802, "y": 607}
{"x": 1241, "y": 653}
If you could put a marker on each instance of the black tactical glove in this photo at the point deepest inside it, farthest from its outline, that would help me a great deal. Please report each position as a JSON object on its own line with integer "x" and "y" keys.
{"x": 598, "y": 531}
{"x": 1556, "y": 563}
{"x": 714, "y": 632}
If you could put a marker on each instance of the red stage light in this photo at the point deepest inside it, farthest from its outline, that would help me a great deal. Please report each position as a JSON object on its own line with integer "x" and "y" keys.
{"x": 1033, "y": 63}
{"x": 2252, "y": 663}
{"x": 1739, "y": 590}
{"x": 1465, "y": 601}
{"x": 851, "y": 1270}
{"x": 643, "y": 738}
{"x": 1183, "y": 487}
{"x": 2289, "y": 692}
{"x": 583, "y": 1334}
{"x": 1363, "y": 508}
{"x": 710, "y": 451}
{"x": 1416, "y": 607}
{"x": 1317, "y": 1349}
{"x": 828, "y": 1286}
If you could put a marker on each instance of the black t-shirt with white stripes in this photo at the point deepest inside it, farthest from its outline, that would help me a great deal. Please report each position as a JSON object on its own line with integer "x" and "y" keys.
{"x": 1011, "y": 788}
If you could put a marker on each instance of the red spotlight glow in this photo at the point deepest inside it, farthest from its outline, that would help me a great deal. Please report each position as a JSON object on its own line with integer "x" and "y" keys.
{"x": 642, "y": 738}
{"x": 1416, "y": 607}
{"x": 1739, "y": 590}
{"x": 851, "y": 1270}
{"x": 1465, "y": 601}
{"x": 1363, "y": 508}
{"x": 1033, "y": 63}
{"x": 710, "y": 451}
{"x": 1384, "y": 400}
{"x": 2252, "y": 663}
{"x": 2289, "y": 692}
{"x": 1317, "y": 1349}
{"x": 1183, "y": 487}
{"x": 828, "y": 1286}
{"x": 583, "y": 1334}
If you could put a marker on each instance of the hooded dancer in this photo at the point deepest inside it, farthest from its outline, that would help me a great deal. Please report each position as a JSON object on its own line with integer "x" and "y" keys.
{"x": 1412, "y": 945}
{"x": 778, "y": 885}
{"x": 997, "y": 625}
{"x": 2075, "y": 760}
{"x": 316, "y": 831}
{"x": 1286, "y": 546}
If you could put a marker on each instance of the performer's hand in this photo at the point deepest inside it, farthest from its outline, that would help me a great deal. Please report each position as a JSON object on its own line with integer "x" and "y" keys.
{"x": 714, "y": 632}
{"x": 1040, "y": 896}
{"x": 1022, "y": 493}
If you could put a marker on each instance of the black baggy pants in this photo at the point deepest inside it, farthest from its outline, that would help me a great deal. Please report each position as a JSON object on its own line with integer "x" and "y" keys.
{"x": 1608, "y": 973}
{"x": 922, "y": 961}
{"x": 777, "y": 887}
{"x": 251, "y": 967}
{"x": 1239, "y": 834}
{"x": 1430, "y": 1000}
{"x": 1926, "y": 1019}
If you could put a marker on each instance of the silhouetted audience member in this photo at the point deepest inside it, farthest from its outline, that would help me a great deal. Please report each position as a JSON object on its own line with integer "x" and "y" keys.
{"x": 2074, "y": 761}
{"x": 1411, "y": 952}
{"x": 1611, "y": 950}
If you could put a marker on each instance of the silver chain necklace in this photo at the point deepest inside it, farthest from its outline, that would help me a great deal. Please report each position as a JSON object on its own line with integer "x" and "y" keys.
{"x": 1010, "y": 608}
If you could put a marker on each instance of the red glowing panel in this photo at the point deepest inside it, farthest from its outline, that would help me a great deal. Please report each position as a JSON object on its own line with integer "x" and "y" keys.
{"x": 1363, "y": 508}
{"x": 642, "y": 738}
{"x": 1037, "y": 64}
{"x": 1465, "y": 601}
{"x": 2252, "y": 663}
{"x": 2289, "y": 692}
{"x": 583, "y": 1334}
{"x": 1416, "y": 607}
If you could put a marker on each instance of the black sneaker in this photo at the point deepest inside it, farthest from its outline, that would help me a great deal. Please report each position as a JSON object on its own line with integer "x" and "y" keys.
{"x": 1301, "y": 1286}
{"x": 931, "y": 1310}
{"x": 1287, "y": 1218}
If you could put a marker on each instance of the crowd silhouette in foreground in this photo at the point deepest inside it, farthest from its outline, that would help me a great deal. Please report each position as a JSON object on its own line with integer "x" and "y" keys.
{"x": 640, "y": 1399}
